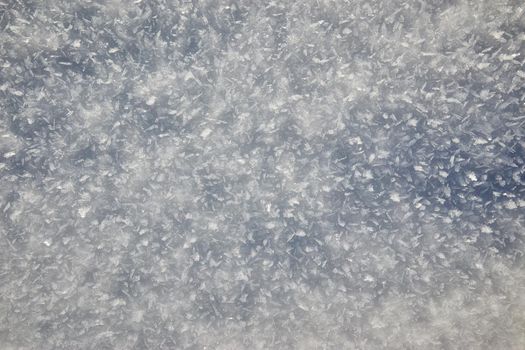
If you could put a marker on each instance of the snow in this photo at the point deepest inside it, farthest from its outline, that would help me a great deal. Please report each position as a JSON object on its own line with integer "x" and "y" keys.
{"x": 262, "y": 174}
{"x": 394, "y": 196}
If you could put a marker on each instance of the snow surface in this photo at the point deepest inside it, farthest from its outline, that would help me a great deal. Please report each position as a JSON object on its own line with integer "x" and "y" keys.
{"x": 241, "y": 174}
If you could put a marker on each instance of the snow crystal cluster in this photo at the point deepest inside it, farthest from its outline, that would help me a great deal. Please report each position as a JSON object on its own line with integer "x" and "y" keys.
{"x": 241, "y": 174}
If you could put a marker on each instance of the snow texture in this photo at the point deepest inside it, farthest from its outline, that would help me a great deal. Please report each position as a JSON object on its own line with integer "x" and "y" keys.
{"x": 241, "y": 174}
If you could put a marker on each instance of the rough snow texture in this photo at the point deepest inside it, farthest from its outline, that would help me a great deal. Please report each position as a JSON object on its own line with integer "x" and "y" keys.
{"x": 262, "y": 175}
